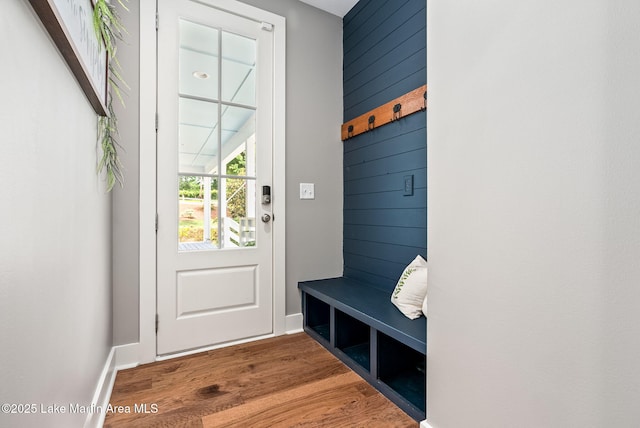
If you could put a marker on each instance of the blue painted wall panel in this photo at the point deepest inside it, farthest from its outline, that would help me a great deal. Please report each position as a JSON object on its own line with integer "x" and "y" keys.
{"x": 387, "y": 84}
{"x": 396, "y": 46}
{"x": 381, "y": 251}
{"x": 411, "y": 140}
{"x": 386, "y": 133}
{"x": 393, "y": 50}
{"x": 390, "y": 18}
{"x": 384, "y": 76}
{"x": 414, "y": 217}
{"x": 359, "y": 15}
{"x": 384, "y": 58}
{"x": 365, "y": 16}
{"x": 385, "y": 183}
{"x": 404, "y": 161}
{"x": 409, "y": 236}
{"x": 394, "y": 200}
{"x": 377, "y": 272}
{"x": 387, "y": 94}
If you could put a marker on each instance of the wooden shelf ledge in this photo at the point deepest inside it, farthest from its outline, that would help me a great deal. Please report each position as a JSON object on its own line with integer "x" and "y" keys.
{"x": 396, "y": 109}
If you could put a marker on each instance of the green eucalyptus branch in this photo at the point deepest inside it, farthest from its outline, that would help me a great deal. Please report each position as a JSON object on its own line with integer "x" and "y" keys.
{"x": 109, "y": 29}
{"x": 106, "y": 23}
{"x": 107, "y": 132}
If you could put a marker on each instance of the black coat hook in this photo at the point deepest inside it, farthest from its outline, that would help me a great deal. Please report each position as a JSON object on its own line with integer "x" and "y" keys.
{"x": 397, "y": 112}
{"x": 350, "y": 131}
{"x": 371, "y": 123}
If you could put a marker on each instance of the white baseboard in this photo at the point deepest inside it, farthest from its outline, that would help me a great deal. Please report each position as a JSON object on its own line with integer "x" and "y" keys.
{"x": 293, "y": 323}
{"x": 127, "y": 356}
{"x": 424, "y": 424}
{"x": 102, "y": 393}
{"x": 120, "y": 357}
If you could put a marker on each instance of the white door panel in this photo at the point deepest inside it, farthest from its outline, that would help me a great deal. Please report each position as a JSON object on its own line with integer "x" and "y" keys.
{"x": 215, "y": 131}
{"x": 205, "y": 291}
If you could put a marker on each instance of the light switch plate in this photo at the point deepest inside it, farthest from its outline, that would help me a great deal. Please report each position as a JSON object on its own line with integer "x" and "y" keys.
{"x": 307, "y": 191}
{"x": 408, "y": 185}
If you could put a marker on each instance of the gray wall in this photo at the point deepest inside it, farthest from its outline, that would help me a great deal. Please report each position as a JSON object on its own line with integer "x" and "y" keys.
{"x": 55, "y": 289}
{"x": 314, "y": 149}
{"x": 125, "y": 213}
{"x": 534, "y": 207}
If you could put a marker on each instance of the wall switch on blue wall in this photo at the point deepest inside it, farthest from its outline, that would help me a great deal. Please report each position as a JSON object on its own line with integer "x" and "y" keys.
{"x": 408, "y": 185}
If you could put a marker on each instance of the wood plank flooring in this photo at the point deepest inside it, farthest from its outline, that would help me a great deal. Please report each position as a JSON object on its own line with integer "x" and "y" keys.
{"x": 285, "y": 381}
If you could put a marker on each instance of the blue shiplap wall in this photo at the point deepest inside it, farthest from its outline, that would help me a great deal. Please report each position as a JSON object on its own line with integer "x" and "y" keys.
{"x": 384, "y": 58}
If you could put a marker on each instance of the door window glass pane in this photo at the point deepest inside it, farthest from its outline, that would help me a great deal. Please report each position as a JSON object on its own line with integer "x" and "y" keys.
{"x": 238, "y": 69}
{"x": 238, "y": 219}
{"x": 197, "y": 213}
{"x": 198, "y": 60}
{"x": 238, "y": 141}
{"x": 198, "y": 139}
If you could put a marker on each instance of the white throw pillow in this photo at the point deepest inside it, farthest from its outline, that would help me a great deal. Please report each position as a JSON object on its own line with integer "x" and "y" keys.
{"x": 411, "y": 289}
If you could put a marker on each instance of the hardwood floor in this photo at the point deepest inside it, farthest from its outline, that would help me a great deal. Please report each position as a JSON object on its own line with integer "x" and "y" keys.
{"x": 285, "y": 381}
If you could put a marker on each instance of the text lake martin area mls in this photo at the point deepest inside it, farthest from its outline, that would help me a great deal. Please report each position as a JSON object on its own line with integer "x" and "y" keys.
{"x": 78, "y": 408}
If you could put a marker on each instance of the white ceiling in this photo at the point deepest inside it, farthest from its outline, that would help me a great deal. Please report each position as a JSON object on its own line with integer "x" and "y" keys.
{"x": 336, "y": 7}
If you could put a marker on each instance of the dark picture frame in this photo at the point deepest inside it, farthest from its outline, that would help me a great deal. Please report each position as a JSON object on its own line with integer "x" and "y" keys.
{"x": 70, "y": 25}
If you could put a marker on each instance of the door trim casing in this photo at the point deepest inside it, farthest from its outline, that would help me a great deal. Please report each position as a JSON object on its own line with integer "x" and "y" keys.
{"x": 148, "y": 169}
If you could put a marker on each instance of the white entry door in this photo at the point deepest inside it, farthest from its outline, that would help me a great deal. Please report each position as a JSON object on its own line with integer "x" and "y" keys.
{"x": 214, "y": 238}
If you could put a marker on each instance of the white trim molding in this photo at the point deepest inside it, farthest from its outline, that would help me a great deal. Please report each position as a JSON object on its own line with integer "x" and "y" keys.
{"x": 424, "y": 424}
{"x": 119, "y": 358}
{"x": 147, "y": 255}
{"x": 279, "y": 177}
{"x": 102, "y": 394}
{"x": 294, "y": 323}
{"x": 127, "y": 356}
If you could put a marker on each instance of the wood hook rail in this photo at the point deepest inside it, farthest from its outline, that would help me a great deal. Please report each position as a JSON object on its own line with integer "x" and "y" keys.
{"x": 402, "y": 106}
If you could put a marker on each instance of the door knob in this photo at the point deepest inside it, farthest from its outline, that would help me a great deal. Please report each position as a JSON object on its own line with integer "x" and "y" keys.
{"x": 266, "y": 218}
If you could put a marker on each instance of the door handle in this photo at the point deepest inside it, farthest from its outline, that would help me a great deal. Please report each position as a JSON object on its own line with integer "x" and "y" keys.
{"x": 266, "y": 218}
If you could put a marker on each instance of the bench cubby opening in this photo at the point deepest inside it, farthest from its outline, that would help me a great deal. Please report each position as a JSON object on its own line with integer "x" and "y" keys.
{"x": 403, "y": 370}
{"x": 353, "y": 338}
{"x": 318, "y": 318}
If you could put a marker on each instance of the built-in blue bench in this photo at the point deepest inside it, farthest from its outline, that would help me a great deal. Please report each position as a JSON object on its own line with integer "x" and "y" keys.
{"x": 358, "y": 324}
